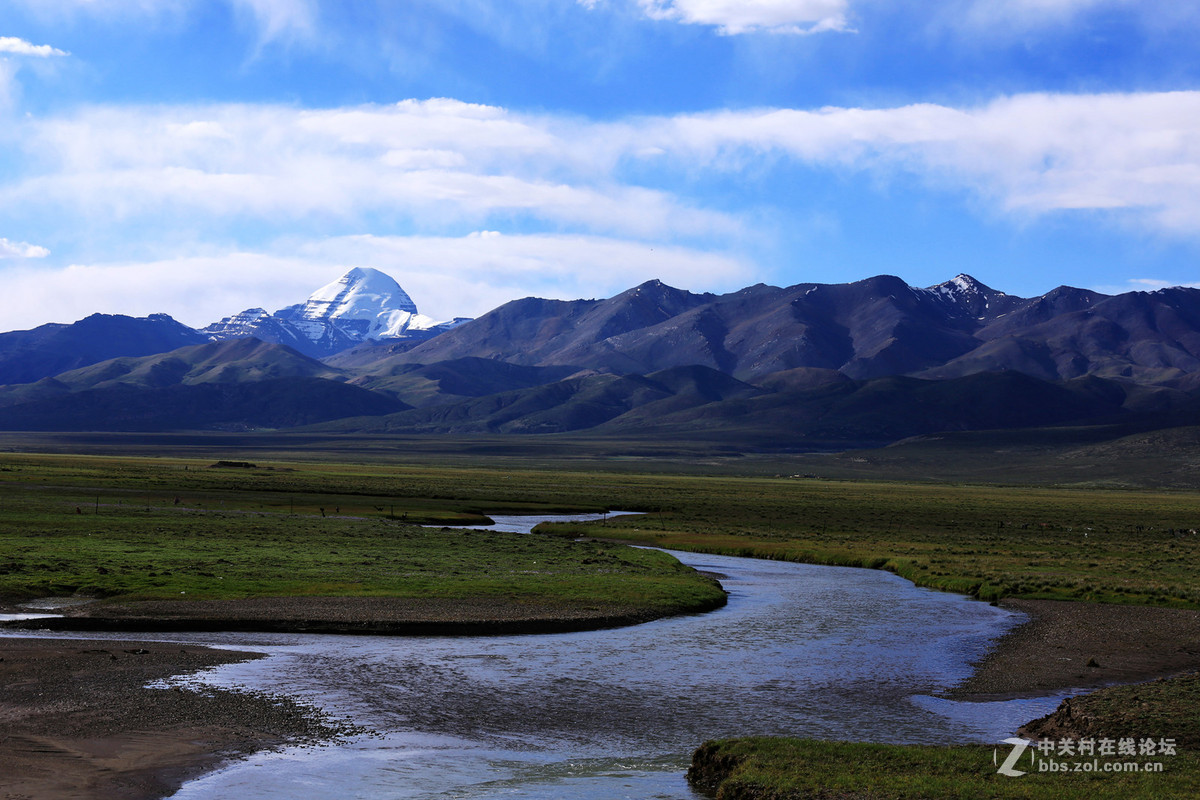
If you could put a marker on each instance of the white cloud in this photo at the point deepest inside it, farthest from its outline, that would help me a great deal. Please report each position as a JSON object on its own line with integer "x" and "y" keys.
{"x": 446, "y": 276}
{"x": 1028, "y": 154}
{"x": 21, "y": 250}
{"x": 441, "y": 165}
{"x": 281, "y": 18}
{"x": 194, "y": 290}
{"x": 59, "y": 10}
{"x": 1025, "y": 14}
{"x": 437, "y": 161}
{"x": 20, "y": 47}
{"x": 9, "y": 88}
{"x": 979, "y": 20}
{"x": 747, "y": 16}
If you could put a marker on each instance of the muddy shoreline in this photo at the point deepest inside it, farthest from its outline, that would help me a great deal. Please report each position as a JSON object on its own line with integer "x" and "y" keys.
{"x": 1073, "y": 645}
{"x": 76, "y": 721}
{"x": 373, "y": 616}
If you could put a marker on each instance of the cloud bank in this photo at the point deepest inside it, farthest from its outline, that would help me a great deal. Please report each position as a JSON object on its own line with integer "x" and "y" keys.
{"x": 443, "y": 162}
{"x": 586, "y": 207}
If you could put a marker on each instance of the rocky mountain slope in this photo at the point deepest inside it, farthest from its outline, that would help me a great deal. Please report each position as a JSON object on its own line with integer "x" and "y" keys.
{"x": 868, "y": 329}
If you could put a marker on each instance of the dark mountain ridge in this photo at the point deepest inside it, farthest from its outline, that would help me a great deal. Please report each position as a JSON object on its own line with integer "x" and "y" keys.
{"x": 871, "y": 362}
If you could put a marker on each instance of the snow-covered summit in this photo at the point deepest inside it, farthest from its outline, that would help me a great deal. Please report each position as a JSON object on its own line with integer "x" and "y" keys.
{"x": 363, "y": 304}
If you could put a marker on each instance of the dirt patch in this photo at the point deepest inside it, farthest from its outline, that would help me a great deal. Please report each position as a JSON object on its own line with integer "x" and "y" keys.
{"x": 1069, "y": 645}
{"x": 76, "y": 720}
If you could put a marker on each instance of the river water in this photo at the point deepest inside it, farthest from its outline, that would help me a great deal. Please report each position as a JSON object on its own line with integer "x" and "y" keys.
{"x": 801, "y": 650}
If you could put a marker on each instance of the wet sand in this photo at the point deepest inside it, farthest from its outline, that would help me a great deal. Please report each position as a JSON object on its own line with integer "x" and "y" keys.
{"x": 76, "y": 720}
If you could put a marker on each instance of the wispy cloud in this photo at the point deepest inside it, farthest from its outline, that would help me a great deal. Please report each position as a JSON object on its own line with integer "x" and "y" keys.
{"x": 443, "y": 161}
{"x": 281, "y": 19}
{"x": 585, "y": 207}
{"x": 440, "y": 164}
{"x": 274, "y": 19}
{"x": 20, "y": 47}
{"x": 732, "y": 17}
{"x": 21, "y": 250}
{"x": 1029, "y": 154}
{"x": 446, "y": 276}
{"x": 981, "y": 20}
{"x": 437, "y": 162}
{"x": 1026, "y": 14}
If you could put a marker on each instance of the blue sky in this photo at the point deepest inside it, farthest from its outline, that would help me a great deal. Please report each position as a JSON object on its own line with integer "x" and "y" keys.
{"x": 199, "y": 157}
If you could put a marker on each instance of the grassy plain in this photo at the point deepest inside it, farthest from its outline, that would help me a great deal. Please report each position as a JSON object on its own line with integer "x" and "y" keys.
{"x": 184, "y": 516}
{"x": 1117, "y": 546}
{"x": 151, "y": 529}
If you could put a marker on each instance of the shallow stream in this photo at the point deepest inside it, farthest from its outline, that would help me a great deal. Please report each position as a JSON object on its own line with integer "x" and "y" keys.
{"x": 802, "y": 650}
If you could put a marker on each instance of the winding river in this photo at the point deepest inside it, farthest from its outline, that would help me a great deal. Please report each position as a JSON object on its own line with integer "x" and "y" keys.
{"x": 803, "y": 650}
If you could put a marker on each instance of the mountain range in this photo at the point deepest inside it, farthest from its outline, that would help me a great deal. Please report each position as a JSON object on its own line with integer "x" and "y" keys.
{"x": 811, "y": 365}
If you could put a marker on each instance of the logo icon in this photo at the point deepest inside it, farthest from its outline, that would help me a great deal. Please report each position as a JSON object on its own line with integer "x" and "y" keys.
{"x": 1009, "y": 766}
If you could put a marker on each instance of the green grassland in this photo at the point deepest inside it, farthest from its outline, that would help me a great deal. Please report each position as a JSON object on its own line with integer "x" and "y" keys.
{"x": 1126, "y": 546}
{"x": 779, "y": 768}
{"x": 990, "y": 542}
{"x": 134, "y": 529}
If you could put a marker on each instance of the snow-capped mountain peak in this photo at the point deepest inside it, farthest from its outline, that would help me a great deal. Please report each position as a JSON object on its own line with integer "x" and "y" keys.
{"x": 362, "y": 293}
{"x": 362, "y": 304}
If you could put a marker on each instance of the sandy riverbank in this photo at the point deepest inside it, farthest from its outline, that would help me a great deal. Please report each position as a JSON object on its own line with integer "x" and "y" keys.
{"x": 76, "y": 721}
